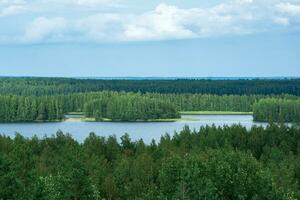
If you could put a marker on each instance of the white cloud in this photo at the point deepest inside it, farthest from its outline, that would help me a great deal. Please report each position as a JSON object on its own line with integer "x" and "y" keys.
{"x": 164, "y": 22}
{"x": 93, "y": 2}
{"x": 281, "y": 21}
{"x": 45, "y": 28}
{"x": 289, "y": 8}
{"x": 99, "y": 27}
{"x": 171, "y": 22}
{"x": 82, "y": 3}
{"x": 12, "y": 7}
{"x": 12, "y": 10}
{"x": 244, "y": 1}
{"x": 12, "y": 2}
{"x": 87, "y": 20}
{"x": 104, "y": 26}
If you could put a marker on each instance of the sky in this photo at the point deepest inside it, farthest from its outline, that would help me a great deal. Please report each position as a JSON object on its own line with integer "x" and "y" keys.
{"x": 76, "y": 38}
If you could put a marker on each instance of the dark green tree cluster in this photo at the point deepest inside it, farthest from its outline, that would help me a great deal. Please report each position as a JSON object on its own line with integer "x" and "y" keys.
{"x": 53, "y": 86}
{"x": 277, "y": 110}
{"x": 22, "y": 109}
{"x": 227, "y": 162}
{"x": 130, "y": 108}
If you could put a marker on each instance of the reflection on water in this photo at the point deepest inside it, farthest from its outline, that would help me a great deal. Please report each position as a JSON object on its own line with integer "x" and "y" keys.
{"x": 137, "y": 130}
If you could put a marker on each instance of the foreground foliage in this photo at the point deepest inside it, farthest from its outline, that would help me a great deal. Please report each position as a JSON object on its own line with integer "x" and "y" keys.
{"x": 212, "y": 163}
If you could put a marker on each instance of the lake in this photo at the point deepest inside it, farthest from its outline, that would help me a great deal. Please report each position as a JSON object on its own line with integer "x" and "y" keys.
{"x": 137, "y": 130}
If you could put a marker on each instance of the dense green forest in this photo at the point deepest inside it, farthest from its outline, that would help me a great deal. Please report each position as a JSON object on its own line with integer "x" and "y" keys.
{"x": 229, "y": 162}
{"x": 129, "y": 108}
{"x": 53, "y": 86}
{"x": 50, "y": 108}
{"x": 48, "y": 99}
{"x": 277, "y": 110}
{"x": 182, "y": 102}
{"x": 21, "y": 108}
{"x": 212, "y": 163}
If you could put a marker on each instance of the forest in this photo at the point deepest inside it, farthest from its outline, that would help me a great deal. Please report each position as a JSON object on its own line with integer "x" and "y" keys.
{"x": 182, "y": 102}
{"x": 39, "y": 86}
{"x": 130, "y": 108}
{"x": 277, "y": 110}
{"x": 49, "y": 99}
{"x": 227, "y": 162}
{"x": 124, "y": 106}
{"x": 29, "y": 108}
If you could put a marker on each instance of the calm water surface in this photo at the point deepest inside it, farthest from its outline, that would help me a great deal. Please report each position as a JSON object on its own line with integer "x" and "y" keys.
{"x": 137, "y": 130}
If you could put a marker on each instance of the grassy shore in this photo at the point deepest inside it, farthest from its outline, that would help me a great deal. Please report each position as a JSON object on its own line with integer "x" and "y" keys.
{"x": 214, "y": 113}
{"x": 75, "y": 113}
{"x": 86, "y": 119}
{"x": 149, "y": 120}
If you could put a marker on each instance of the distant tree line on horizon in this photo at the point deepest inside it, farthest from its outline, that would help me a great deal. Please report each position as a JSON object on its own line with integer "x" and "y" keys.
{"x": 229, "y": 162}
{"x": 53, "y": 86}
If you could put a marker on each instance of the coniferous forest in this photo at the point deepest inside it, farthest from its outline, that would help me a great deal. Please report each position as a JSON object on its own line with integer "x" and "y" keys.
{"x": 130, "y": 108}
{"x": 277, "y": 110}
{"x": 50, "y": 86}
{"x": 212, "y": 163}
{"x": 15, "y": 108}
{"x": 49, "y": 99}
{"x": 150, "y": 100}
{"x": 229, "y": 162}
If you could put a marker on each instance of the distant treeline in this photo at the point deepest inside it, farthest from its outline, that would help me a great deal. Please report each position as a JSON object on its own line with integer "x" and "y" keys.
{"x": 129, "y": 108}
{"x": 55, "y": 86}
{"x": 121, "y": 105}
{"x": 212, "y": 163}
{"x": 277, "y": 110}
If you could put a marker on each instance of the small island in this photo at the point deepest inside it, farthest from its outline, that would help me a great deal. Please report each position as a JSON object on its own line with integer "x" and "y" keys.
{"x": 130, "y": 108}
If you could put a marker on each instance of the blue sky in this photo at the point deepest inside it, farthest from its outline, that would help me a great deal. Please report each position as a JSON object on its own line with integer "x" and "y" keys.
{"x": 153, "y": 38}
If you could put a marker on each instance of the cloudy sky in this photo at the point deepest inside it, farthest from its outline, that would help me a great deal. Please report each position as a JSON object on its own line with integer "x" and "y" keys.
{"x": 150, "y": 38}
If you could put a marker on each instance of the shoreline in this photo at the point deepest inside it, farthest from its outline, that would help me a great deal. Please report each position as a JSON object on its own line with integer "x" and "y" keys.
{"x": 214, "y": 113}
{"x": 83, "y": 119}
{"x": 86, "y": 119}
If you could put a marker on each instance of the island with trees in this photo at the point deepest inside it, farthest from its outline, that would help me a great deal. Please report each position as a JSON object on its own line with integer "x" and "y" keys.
{"x": 130, "y": 108}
